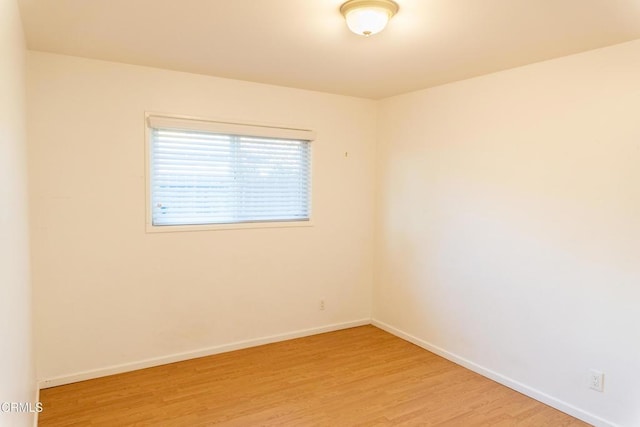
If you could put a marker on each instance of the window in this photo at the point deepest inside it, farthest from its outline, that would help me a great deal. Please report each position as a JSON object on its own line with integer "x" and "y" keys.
{"x": 203, "y": 173}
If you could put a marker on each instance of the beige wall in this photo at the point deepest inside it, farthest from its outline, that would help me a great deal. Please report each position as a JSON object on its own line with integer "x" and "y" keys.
{"x": 17, "y": 382}
{"x": 109, "y": 294}
{"x": 509, "y": 227}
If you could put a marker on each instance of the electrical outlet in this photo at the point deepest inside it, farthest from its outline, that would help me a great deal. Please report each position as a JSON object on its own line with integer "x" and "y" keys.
{"x": 322, "y": 304}
{"x": 596, "y": 380}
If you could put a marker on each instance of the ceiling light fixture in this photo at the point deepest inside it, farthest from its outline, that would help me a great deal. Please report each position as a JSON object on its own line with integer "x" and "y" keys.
{"x": 367, "y": 17}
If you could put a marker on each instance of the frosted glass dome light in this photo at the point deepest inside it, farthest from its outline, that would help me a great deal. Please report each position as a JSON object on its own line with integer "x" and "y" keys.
{"x": 368, "y": 17}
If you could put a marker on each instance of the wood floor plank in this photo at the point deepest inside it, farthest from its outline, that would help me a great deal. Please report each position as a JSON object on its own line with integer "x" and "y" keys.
{"x": 355, "y": 377}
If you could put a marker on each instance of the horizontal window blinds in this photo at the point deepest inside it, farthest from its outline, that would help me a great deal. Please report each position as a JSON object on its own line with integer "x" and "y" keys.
{"x": 213, "y": 177}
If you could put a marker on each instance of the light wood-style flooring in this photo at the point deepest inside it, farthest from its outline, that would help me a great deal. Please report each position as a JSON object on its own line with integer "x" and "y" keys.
{"x": 355, "y": 377}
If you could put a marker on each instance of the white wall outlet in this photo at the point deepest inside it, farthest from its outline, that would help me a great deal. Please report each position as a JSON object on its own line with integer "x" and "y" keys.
{"x": 596, "y": 380}
{"x": 322, "y": 304}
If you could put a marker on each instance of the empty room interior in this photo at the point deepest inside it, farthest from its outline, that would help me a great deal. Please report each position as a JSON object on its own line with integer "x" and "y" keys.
{"x": 320, "y": 212}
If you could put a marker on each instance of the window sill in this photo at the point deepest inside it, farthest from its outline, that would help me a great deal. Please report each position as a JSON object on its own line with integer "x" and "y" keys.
{"x": 218, "y": 227}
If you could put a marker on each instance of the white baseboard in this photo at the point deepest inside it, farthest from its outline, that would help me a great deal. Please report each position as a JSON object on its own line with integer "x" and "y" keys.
{"x": 178, "y": 357}
{"x": 499, "y": 378}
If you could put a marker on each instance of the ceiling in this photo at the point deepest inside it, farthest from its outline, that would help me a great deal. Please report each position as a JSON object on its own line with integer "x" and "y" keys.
{"x": 306, "y": 44}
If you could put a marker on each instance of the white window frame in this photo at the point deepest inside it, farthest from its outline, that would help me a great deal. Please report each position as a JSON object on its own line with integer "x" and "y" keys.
{"x": 199, "y": 123}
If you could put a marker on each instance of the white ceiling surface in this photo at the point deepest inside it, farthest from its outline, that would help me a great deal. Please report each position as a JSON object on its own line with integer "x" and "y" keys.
{"x": 306, "y": 44}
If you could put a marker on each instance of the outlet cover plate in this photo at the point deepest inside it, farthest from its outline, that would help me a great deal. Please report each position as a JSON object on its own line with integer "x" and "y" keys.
{"x": 596, "y": 380}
